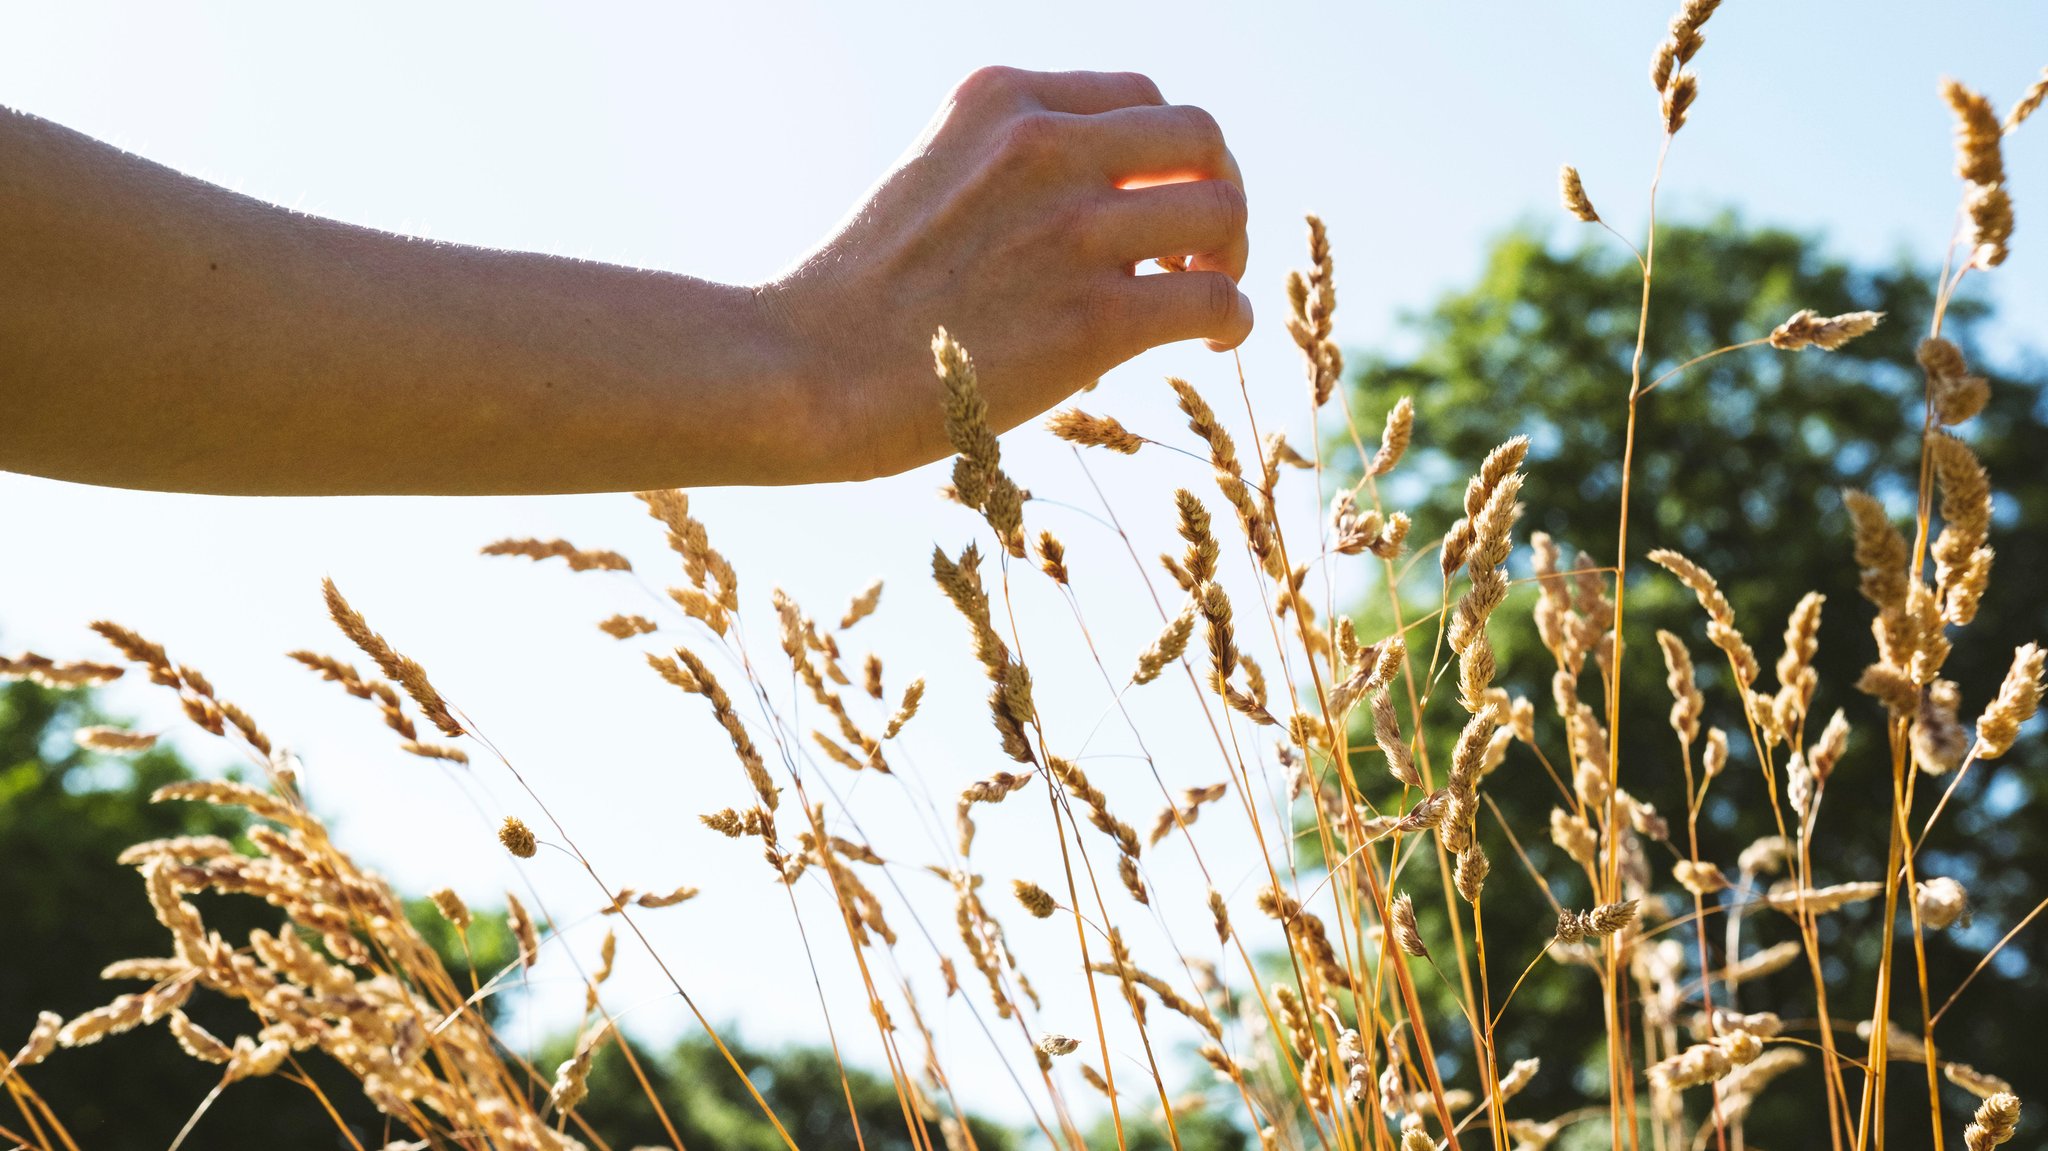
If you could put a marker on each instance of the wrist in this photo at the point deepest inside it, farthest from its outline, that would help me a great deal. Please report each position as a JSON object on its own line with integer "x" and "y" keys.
{"x": 818, "y": 383}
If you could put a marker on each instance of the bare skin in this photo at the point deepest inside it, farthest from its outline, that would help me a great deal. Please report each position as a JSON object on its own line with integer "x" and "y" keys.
{"x": 160, "y": 332}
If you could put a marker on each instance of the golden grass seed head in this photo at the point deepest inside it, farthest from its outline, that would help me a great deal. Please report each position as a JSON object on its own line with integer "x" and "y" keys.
{"x": 1035, "y": 899}
{"x": 1407, "y": 933}
{"x": 1965, "y": 591}
{"x": 906, "y": 710}
{"x": 1203, "y": 422}
{"x": 1940, "y": 357}
{"x": 1297, "y": 292}
{"x": 139, "y": 650}
{"x": 571, "y": 1086}
{"x": 1573, "y": 192}
{"x": 2019, "y": 696}
{"x": 1991, "y": 224}
{"x": 49, "y": 673}
{"x": 407, "y": 673}
{"x": 1574, "y": 836}
{"x": 1703, "y": 878}
{"x": 1807, "y": 328}
{"x": 1678, "y": 98}
{"x": 113, "y": 740}
{"x": 1978, "y": 157}
{"x": 1609, "y": 918}
{"x": 1127, "y": 872}
{"x": 517, "y": 837}
{"x": 577, "y": 558}
{"x": 1955, "y": 395}
{"x": 1662, "y": 62}
{"x": 1052, "y": 557}
{"x": 1994, "y": 1123}
{"x": 1471, "y": 872}
{"x": 871, "y": 676}
{"x": 1790, "y": 898}
{"x": 1078, "y": 427}
{"x": 2027, "y": 103}
{"x": 1053, "y": 1043}
{"x": 1395, "y": 437}
{"x": 1938, "y": 739}
{"x": 1601, "y": 921}
{"x": 1982, "y": 1084}
{"x": 862, "y": 605}
{"x": 1386, "y": 727}
{"x": 1826, "y": 751}
{"x": 42, "y": 1040}
{"x": 1706, "y": 1062}
{"x": 1941, "y": 902}
{"x": 1686, "y": 37}
{"x": 626, "y": 626}
{"x": 1687, "y": 702}
{"x": 197, "y": 1041}
{"x": 1880, "y": 551}
{"x": 1965, "y": 502}
{"x": 1519, "y": 1076}
{"x": 451, "y": 907}
{"x": 123, "y": 1014}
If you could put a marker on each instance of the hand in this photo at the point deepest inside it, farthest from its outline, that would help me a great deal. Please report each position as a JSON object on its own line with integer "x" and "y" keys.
{"x": 1018, "y": 222}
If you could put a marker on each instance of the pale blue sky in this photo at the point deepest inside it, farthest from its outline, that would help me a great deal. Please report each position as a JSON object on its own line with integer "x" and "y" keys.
{"x": 722, "y": 140}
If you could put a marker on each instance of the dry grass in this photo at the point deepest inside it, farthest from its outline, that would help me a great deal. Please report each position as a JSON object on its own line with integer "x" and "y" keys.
{"x": 1338, "y": 1053}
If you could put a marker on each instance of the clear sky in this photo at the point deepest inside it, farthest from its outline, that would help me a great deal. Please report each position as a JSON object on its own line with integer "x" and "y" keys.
{"x": 723, "y": 140}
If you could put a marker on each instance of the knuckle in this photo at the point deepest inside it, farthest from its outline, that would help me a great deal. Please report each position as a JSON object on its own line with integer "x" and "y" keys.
{"x": 1231, "y": 209}
{"x": 1030, "y": 138}
{"x": 1201, "y": 127}
{"x": 988, "y": 83}
{"x": 1141, "y": 87}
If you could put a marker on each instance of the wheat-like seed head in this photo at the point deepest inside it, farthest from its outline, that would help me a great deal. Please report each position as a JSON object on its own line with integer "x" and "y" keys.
{"x": 1807, "y": 328}
{"x": 1078, "y": 427}
{"x": 577, "y": 558}
{"x": 2019, "y": 696}
{"x": 113, "y": 739}
{"x": 1994, "y": 1123}
{"x": 1979, "y": 1083}
{"x": 1406, "y": 932}
{"x": 451, "y": 907}
{"x": 1573, "y": 192}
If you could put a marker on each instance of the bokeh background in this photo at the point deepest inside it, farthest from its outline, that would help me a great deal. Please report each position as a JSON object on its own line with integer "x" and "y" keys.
{"x": 724, "y": 140}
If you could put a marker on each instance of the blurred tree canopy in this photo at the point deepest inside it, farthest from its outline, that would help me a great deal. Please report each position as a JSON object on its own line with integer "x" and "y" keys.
{"x": 711, "y": 1108}
{"x": 1740, "y": 462}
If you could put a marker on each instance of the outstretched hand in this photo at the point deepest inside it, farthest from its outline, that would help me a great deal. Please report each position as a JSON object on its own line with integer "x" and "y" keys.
{"x": 1019, "y": 221}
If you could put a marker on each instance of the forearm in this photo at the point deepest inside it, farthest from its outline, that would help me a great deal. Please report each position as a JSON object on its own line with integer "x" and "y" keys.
{"x": 164, "y": 333}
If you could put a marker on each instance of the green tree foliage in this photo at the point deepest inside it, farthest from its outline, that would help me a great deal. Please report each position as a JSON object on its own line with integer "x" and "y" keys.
{"x": 712, "y": 1108}
{"x": 1211, "y": 1127}
{"x": 1740, "y": 464}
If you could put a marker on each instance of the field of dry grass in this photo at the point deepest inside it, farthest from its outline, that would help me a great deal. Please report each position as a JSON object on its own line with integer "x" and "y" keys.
{"x": 1354, "y": 764}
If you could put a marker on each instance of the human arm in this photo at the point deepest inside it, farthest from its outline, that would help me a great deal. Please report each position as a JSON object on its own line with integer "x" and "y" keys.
{"x": 159, "y": 332}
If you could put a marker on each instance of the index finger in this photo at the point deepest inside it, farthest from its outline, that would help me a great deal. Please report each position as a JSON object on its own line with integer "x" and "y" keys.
{"x": 1141, "y": 146}
{"x": 1092, "y": 93}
